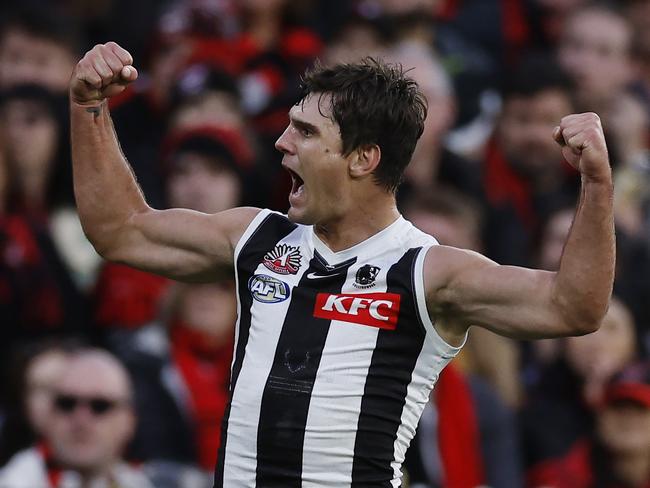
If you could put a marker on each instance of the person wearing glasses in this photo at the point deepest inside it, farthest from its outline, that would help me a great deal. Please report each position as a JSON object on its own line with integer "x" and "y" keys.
{"x": 91, "y": 421}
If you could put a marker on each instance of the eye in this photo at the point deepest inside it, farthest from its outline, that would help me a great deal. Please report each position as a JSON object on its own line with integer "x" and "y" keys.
{"x": 306, "y": 132}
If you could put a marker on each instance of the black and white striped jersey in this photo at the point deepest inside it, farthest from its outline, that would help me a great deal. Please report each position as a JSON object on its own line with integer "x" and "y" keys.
{"x": 335, "y": 357}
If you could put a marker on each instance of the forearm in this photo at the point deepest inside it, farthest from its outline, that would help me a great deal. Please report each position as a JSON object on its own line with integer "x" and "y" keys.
{"x": 583, "y": 284}
{"x": 106, "y": 191}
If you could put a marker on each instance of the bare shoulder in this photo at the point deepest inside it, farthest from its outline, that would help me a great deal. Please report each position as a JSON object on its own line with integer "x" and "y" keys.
{"x": 443, "y": 264}
{"x": 235, "y": 221}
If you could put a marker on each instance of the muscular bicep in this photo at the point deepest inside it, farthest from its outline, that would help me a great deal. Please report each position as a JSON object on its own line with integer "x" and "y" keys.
{"x": 465, "y": 288}
{"x": 181, "y": 244}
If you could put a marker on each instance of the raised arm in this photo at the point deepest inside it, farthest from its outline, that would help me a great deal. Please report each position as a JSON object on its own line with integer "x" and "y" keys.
{"x": 181, "y": 244}
{"x": 464, "y": 288}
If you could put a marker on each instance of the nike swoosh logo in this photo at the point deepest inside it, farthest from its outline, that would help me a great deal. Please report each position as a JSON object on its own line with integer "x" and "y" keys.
{"x": 314, "y": 276}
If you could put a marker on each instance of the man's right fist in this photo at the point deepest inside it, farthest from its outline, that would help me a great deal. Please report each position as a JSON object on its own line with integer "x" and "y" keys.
{"x": 103, "y": 72}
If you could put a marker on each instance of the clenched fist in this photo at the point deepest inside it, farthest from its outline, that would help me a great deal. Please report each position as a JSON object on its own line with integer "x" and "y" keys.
{"x": 583, "y": 145}
{"x": 103, "y": 72}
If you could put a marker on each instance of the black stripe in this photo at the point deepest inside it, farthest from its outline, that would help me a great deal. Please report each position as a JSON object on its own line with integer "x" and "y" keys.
{"x": 287, "y": 393}
{"x": 273, "y": 228}
{"x": 389, "y": 375}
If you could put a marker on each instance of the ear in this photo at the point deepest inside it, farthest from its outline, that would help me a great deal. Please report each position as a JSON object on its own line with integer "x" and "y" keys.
{"x": 365, "y": 161}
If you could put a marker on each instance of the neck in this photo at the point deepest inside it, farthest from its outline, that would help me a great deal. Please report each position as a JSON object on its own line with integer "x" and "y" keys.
{"x": 632, "y": 468}
{"x": 359, "y": 223}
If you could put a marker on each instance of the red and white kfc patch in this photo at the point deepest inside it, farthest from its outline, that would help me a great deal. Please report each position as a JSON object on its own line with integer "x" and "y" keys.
{"x": 372, "y": 309}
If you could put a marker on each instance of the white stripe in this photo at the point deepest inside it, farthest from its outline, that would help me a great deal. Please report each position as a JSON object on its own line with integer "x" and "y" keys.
{"x": 266, "y": 324}
{"x": 332, "y": 420}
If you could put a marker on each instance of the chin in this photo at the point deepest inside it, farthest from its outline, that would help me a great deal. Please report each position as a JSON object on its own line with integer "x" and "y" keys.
{"x": 298, "y": 217}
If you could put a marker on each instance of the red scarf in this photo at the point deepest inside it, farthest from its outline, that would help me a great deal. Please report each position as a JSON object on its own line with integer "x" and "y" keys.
{"x": 205, "y": 367}
{"x": 504, "y": 186}
{"x": 54, "y": 472}
{"x": 458, "y": 433}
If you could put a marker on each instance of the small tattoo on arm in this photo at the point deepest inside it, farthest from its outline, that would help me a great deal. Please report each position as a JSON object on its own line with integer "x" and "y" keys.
{"x": 94, "y": 110}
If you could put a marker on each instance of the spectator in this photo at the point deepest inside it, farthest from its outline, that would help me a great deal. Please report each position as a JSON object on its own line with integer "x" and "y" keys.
{"x": 631, "y": 122}
{"x": 523, "y": 174}
{"x": 618, "y": 452}
{"x": 38, "y": 46}
{"x": 92, "y": 420}
{"x": 203, "y": 95}
{"x": 181, "y": 372}
{"x": 637, "y": 13}
{"x": 45, "y": 258}
{"x": 356, "y": 37}
{"x": 432, "y": 163}
{"x": 559, "y": 407}
{"x": 30, "y": 377}
{"x": 595, "y": 49}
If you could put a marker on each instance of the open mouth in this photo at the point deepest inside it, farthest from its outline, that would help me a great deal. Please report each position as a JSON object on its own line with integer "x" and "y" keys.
{"x": 297, "y": 183}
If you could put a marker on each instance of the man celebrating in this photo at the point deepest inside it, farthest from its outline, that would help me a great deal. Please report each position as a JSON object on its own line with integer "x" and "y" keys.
{"x": 347, "y": 313}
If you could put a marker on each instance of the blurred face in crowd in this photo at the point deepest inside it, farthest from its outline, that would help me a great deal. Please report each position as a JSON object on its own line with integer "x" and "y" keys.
{"x": 598, "y": 356}
{"x": 448, "y": 230}
{"x": 594, "y": 49}
{"x": 28, "y": 59}
{"x": 624, "y": 427}
{"x": 210, "y": 308}
{"x": 92, "y": 419}
{"x": 211, "y": 108}
{"x": 41, "y": 375}
{"x": 436, "y": 87}
{"x": 553, "y": 238}
{"x": 31, "y": 137}
{"x": 355, "y": 41}
{"x": 524, "y": 133}
{"x": 403, "y": 6}
{"x": 201, "y": 184}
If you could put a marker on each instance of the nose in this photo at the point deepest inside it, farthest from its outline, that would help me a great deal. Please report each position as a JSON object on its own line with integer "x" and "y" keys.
{"x": 283, "y": 144}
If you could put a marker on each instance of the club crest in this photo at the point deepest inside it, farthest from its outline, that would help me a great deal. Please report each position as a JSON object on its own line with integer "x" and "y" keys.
{"x": 283, "y": 259}
{"x": 366, "y": 276}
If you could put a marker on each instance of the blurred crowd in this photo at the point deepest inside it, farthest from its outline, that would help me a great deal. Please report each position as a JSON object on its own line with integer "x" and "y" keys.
{"x": 114, "y": 377}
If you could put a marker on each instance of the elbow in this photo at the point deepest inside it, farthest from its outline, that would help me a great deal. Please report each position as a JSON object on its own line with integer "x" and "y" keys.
{"x": 103, "y": 243}
{"x": 581, "y": 318}
{"x": 585, "y": 326}
{"x": 108, "y": 238}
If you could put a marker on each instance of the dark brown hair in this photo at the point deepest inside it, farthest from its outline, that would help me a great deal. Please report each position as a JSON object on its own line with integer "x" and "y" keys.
{"x": 373, "y": 103}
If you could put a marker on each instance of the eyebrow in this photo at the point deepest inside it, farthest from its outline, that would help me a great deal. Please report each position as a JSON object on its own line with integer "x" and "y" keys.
{"x": 301, "y": 124}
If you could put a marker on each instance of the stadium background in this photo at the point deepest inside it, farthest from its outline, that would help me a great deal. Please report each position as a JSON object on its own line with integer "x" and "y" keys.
{"x": 217, "y": 78}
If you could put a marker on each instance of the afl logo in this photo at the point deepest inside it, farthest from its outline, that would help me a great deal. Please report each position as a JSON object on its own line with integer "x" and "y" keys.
{"x": 283, "y": 259}
{"x": 267, "y": 289}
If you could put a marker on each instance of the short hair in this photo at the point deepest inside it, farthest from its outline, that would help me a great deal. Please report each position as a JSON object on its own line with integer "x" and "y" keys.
{"x": 50, "y": 24}
{"x": 373, "y": 103}
{"x": 536, "y": 74}
{"x": 449, "y": 203}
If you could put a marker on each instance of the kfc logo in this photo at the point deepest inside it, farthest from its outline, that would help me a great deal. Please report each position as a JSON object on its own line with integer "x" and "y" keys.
{"x": 372, "y": 309}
